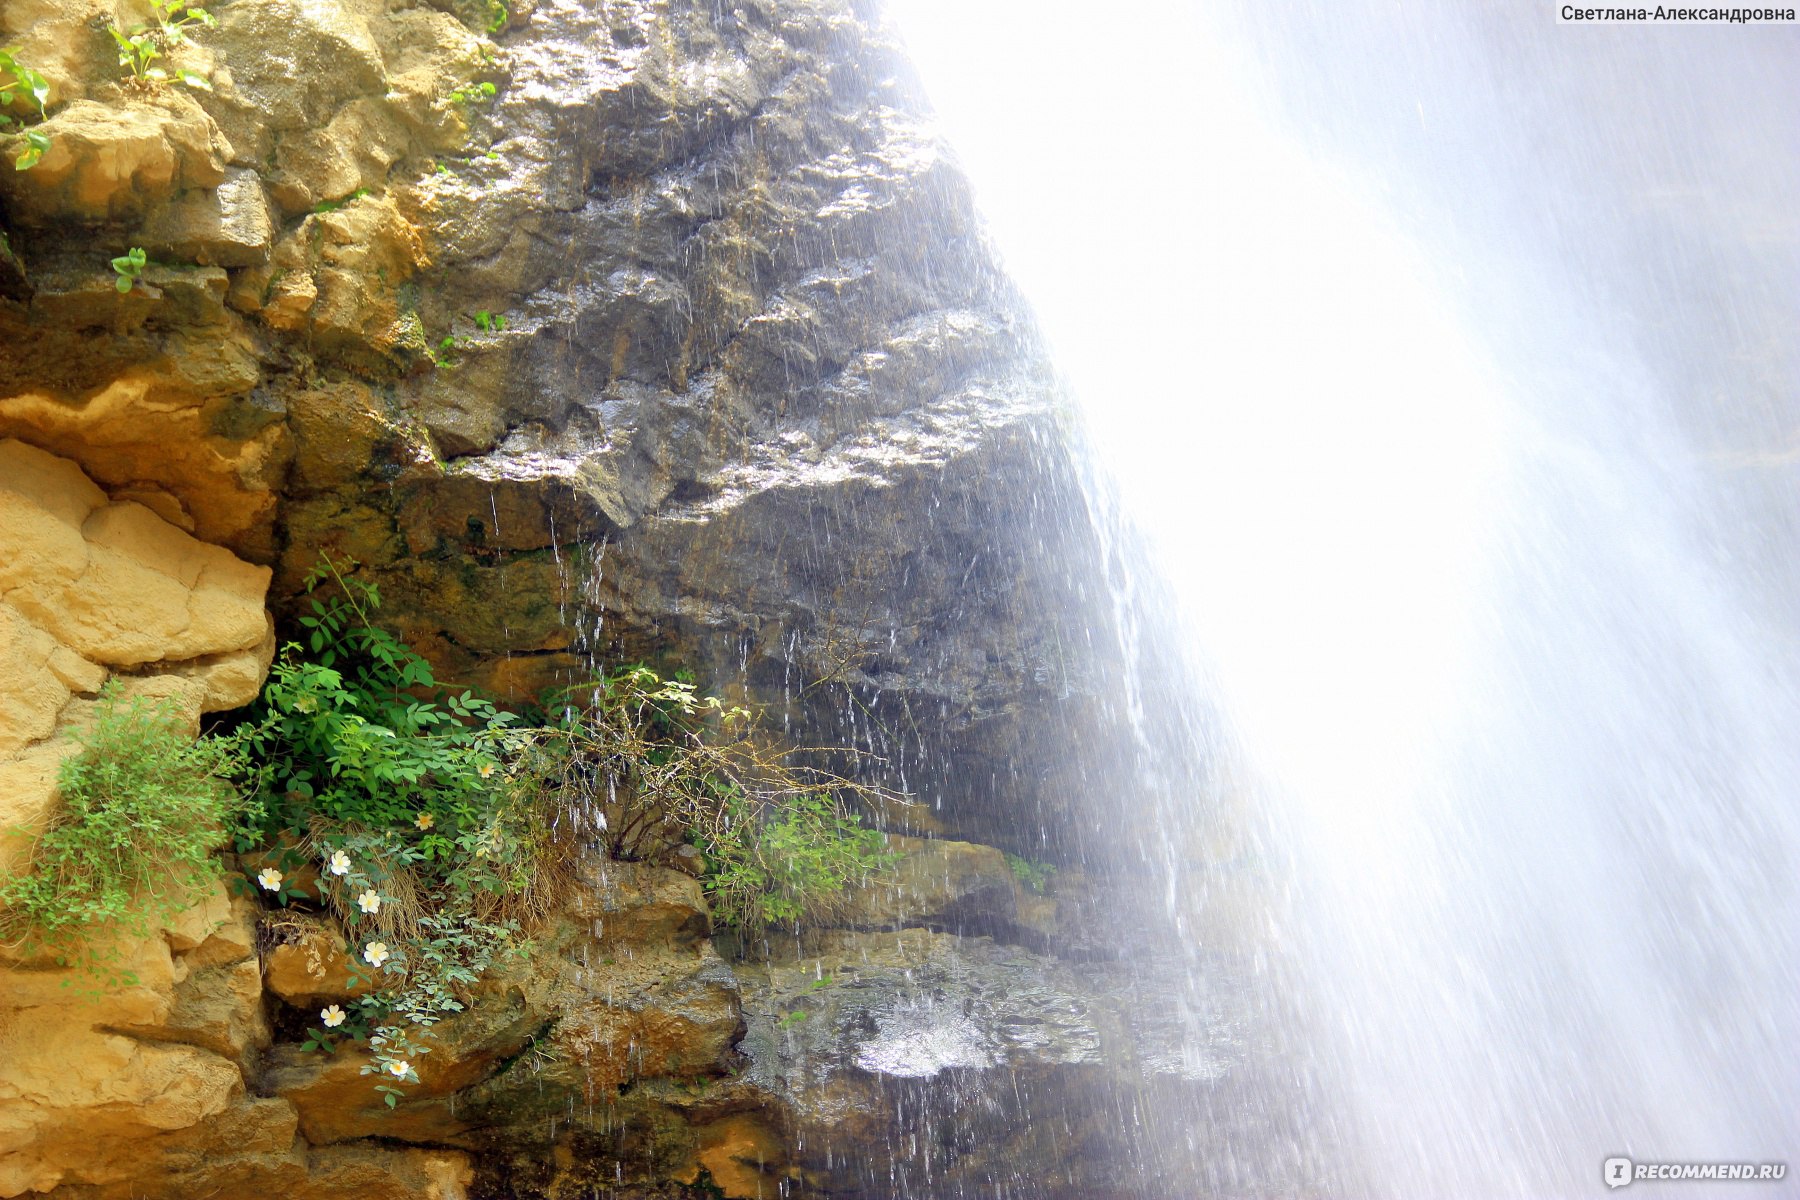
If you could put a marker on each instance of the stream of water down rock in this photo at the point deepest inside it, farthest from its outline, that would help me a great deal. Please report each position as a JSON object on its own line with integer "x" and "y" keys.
{"x": 1444, "y": 365}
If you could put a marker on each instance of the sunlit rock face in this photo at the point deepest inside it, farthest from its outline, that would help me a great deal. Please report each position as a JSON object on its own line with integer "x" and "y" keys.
{"x": 92, "y": 588}
{"x": 148, "y": 1091}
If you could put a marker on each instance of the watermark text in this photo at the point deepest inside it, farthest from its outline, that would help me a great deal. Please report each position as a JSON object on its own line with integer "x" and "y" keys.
{"x": 1661, "y": 14}
{"x": 1617, "y": 1172}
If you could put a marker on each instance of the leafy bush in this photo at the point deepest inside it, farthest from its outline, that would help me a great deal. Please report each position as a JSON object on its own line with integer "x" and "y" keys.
{"x": 424, "y": 839}
{"x": 442, "y": 827}
{"x": 143, "y": 812}
{"x": 1033, "y": 875}
{"x": 345, "y": 736}
{"x": 651, "y": 767}
{"x": 789, "y": 863}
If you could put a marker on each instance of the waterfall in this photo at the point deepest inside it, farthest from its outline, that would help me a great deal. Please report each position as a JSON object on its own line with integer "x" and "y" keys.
{"x": 1443, "y": 361}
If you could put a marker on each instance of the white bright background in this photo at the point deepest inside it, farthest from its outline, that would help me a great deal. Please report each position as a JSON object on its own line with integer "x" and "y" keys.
{"x": 1267, "y": 367}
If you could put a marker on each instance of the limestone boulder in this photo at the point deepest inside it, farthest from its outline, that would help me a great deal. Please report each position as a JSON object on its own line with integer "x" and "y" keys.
{"x": 622, "y": 993}
{"x": 179, "y": 431}
{"x": 864, "y": 1034}
{"x": 111, "y": 161}
{"x": 230, "y": 225}
{"x": 935, "y": 882}
{"x": 92, "y": 1070}
{"x": 338, "y": 276}
{"x": 113, "y": 582}
{"x": 308, "y": 967}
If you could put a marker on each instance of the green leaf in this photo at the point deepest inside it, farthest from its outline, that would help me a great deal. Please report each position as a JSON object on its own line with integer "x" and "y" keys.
{"x": 35, "y": 145}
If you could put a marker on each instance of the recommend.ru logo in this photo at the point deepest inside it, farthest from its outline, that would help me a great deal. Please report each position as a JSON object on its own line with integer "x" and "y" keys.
{"x": 1617, "y": 1172}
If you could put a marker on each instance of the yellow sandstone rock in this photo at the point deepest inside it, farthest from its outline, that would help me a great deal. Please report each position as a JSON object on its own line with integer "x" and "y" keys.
{"x": 90, "y": 587}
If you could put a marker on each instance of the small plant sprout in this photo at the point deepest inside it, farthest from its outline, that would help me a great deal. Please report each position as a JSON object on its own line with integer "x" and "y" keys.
{"x": 174, "y": 17}
{"x": 498, "y": 15}
{"x": 129, "y": 266}
{"x": 142, "y": 45}
{"x": 325, "y": 206}
{"x": 473, "y": 93}
{"x": 138, "y": 53}
{"x": 489, "y": 322}
{"x": 17, "y": 80}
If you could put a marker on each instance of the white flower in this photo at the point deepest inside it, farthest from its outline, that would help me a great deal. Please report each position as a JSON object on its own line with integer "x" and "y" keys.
{"x": 399, "y": 1068}
{"x": 425, "y": 820}
{"x": 333, "y": 1016}
{"x": 270, "y": 878}
{"x": 369, "y": 902}
{"x": 375, "y": 953}
{"x": 485, "y": 770}
{"x": 338, "y": 863}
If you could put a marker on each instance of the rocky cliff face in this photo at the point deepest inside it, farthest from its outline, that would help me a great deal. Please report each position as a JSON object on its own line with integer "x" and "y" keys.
{"x": 760, "y": 397}
{"x": 646, "y": 329}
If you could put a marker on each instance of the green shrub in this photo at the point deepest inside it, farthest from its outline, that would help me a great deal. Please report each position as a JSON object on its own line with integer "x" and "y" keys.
{"x": 353, "y": 758}
{"x": 788, "y": 863}
{"x": 442, "y": 827}
{"x": 1033, "y": 875}
{"x": 341, "y": 732}
{"x": 660, "y": 767}
{"x": 143, "y": 812}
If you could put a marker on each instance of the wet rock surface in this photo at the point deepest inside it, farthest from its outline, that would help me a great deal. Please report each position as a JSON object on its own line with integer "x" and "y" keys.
{"x": 925, "y": 1064}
